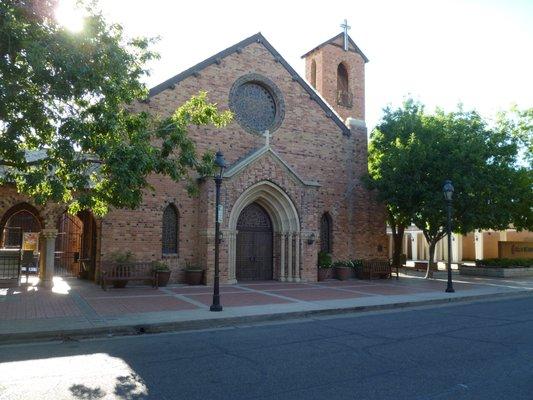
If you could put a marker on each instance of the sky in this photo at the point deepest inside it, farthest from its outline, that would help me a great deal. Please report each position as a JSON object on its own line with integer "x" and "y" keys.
{"x": 475, "y": 52}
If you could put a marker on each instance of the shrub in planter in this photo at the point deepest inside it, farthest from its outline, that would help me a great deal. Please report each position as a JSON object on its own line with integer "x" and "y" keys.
{"x": 324, "y": 265}
{"x": 193, "y": 275}
{"x": 505, "y": 263}
{"x": 343, "y": 270}
{"x": 162, "y": 272}
{"x": 123, "y": 261}
{"x": 357, "y": 267}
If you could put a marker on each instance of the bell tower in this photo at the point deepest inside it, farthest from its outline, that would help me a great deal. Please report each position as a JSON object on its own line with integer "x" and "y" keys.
{"x": 336, "y": 69}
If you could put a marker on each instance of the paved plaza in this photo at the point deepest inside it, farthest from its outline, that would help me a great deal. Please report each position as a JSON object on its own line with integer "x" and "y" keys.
{"x": 77, "y": 307}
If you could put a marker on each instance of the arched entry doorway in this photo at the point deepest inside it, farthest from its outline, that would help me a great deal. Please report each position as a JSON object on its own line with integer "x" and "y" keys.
{"x": 75, "y": 248}
{"x": 266, "y": 198}
{"x": 19, "y": 241}
{"x": 254, "y": 244}
{"x": 19, "y": 222}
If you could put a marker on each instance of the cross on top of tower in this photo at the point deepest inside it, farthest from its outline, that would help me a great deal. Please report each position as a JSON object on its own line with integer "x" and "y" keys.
{"x": 345, "y": 28}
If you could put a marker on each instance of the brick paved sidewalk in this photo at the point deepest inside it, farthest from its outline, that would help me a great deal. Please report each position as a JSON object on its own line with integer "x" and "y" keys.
{"x": 81, "y": 305}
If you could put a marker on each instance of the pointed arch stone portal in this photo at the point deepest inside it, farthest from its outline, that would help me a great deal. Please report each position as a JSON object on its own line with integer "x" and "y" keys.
{"x": 285, "y": 227}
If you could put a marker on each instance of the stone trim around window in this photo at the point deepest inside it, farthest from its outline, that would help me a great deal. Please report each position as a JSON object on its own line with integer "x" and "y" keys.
{"x": 273, "y": 90}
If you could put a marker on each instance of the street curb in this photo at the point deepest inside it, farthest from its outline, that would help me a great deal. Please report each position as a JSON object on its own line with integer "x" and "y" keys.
{"x": 192, "y": 325}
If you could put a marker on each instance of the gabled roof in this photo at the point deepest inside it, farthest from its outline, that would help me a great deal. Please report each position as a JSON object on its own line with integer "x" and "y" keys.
{"x": 237, "y": 48}
{"x": 332, "y": 41}
{"x": 31, "y": 156}
{"x": 256, "y": 155}
{"x": 34, "y": 156}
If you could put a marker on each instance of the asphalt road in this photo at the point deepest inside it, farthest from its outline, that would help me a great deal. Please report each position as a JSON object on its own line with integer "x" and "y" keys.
{"x": 468, "y": 351}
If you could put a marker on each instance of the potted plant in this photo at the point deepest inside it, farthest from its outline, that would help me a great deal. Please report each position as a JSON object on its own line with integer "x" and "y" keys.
{"x": 122, "y": 261}
{"x": 324, "y": 265}
{"x": 162, "y": 272}
{"x": 343, "y": 270}
{"x": 357, "y": 267}
{"x": 193, "y": 275}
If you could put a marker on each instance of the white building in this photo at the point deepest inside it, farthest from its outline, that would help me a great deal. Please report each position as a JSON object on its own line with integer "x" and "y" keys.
{"x": 477, "y": 245}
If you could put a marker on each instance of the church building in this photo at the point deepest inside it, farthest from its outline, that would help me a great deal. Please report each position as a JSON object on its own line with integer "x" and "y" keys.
{"x": 295, "y": 154}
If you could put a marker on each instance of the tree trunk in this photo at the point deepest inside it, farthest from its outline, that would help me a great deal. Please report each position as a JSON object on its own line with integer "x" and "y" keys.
{"x": 429, "y": 271}
{"x": 397, "y": 239}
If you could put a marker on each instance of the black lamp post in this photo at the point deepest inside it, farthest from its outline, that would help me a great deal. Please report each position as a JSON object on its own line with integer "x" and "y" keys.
{"x": 221, "y": 164}
{"x": 448, "y": 194}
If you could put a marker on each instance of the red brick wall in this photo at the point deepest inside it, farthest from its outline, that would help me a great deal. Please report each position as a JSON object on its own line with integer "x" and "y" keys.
{"x": 310, "y": 142}
{"x": 327, "y": 60}
{"x": 48, "y": 215}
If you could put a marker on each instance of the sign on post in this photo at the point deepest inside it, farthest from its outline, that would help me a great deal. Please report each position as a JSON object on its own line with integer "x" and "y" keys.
{"x": 220, "y": 213}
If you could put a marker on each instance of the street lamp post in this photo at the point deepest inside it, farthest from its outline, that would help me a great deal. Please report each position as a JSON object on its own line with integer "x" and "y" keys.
{"x": 221, "y": 164}
{"x": 448, "y": 193}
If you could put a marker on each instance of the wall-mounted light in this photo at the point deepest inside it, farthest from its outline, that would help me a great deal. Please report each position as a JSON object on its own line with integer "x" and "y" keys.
{"x": 311, "y": 238}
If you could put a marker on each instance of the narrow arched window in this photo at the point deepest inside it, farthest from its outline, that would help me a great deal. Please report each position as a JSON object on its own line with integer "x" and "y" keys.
{"x": 325, "y": 233}
{"x": 313, "y": 73}
{"x": 344, "y": 96}
{"x": 170, "y": 230}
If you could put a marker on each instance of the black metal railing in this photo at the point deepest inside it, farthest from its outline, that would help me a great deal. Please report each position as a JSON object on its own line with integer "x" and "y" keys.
{"x": 9, "y": 265}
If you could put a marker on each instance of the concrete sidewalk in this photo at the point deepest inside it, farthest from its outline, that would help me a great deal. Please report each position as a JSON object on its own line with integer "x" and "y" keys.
{"x": 76, "y": 309}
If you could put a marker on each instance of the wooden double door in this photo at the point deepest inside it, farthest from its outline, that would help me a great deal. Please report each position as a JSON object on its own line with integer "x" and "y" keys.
{"x": 254, "y": 245}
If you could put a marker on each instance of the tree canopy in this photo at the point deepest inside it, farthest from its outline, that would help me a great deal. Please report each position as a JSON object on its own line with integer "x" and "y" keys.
{"x": 413, "y": 152}
{"x": 520, "y": 124}
{"x": 68, "y": 125}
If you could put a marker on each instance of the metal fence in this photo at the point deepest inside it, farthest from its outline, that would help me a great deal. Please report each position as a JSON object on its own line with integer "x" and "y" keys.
{"x": 14, "y": 261}
{"x": 68, "y": 246}
{"x": 9, "y": 265}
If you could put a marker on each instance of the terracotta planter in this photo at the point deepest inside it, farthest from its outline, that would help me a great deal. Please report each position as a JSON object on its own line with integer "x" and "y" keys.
{"x": 323, "y": 274}
{"x": 362, "y": 275}
{"x": 194, "y": 277}
{"x": 124, "y": 272}
{"x": 120, "y": 284}
{"x": 343, "y": 273}
{"x": 163, "y": 278}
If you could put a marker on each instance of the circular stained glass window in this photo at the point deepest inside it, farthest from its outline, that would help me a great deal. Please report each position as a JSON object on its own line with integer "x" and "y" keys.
{"x": 254, "y": 106}
{"x": 257, "y": 103}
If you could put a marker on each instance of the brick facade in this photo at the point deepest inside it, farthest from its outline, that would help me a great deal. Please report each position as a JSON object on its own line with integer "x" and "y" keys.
{"x": 327, "y": 59}
{"x": 309, "y": 146}
{"x": 307, "y": 140}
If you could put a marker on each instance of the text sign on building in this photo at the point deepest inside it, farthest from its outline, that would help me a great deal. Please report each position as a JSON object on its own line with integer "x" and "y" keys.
{"x": 30, "y": 241}
{"x": 220, "y": 213}
{"x": 515, "y": 249}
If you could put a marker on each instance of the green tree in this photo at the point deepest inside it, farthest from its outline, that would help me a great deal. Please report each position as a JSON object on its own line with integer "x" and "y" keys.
{"x": 388, "y": 156}
{"x": 491, "y": 189}
{"x": 520, "y": 123}
{"x": 69, "y": 100}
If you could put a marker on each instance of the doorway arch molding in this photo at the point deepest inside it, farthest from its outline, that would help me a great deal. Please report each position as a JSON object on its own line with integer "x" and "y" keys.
{"x": 285, "y": 224}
